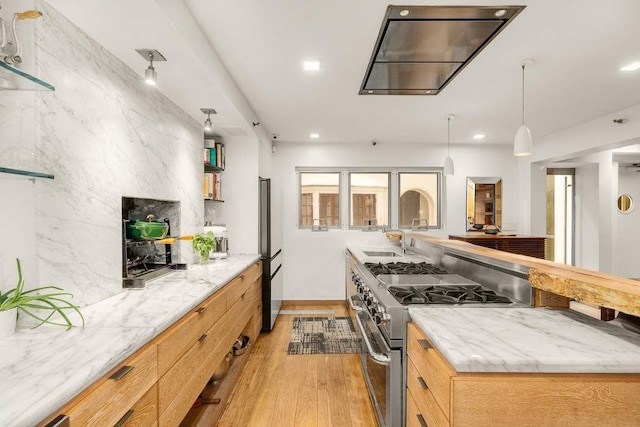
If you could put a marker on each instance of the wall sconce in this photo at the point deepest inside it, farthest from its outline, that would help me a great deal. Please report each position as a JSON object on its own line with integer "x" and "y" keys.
{"x": 150, "y": 74}
{"x": 208, "y": 126}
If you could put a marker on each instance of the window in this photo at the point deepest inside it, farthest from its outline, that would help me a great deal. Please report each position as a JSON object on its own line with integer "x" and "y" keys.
{"x": 319, "y": 199}
{"x": 419, "y": 199}
{"x": 353, "y": 198}
{"x": 369, "y": 199}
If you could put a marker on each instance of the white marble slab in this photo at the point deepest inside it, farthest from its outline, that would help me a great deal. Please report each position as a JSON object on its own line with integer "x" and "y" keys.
{"x": 43, "y": 368}
{"x": 528, "y": 340}
{"x": 359, "y": 253}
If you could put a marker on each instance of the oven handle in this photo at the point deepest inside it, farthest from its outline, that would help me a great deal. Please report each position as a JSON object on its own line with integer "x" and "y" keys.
{"x": 380, "y": 358}
{"x": 354, "y": 307}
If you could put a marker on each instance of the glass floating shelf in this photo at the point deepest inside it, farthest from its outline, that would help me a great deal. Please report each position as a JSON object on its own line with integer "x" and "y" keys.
{"x": 12, "y": 78}
{"x": 26, "y": 173}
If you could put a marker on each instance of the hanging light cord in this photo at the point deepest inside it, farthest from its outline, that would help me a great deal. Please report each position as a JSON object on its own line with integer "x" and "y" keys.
{"x": 448, "y": 135}
{"x": 151, "y": 60}
{"x": 523, "y": 94}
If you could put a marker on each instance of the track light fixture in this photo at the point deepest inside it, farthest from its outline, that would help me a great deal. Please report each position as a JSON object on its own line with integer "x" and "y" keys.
{"x": 150, "y": 74}
{"x": 208, "y": 126}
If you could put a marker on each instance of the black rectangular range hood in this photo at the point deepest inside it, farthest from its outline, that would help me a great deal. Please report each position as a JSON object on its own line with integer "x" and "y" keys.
{"x": 420, "y": 49}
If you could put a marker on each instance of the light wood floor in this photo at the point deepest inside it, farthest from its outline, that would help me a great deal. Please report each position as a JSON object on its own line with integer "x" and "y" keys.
{"x": 277, "y": 389}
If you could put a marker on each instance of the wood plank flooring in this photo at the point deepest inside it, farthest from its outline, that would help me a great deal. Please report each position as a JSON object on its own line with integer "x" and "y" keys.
{"x": 277, "y": 389}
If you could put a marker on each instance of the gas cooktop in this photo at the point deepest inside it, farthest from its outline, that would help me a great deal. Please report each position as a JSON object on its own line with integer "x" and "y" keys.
{"x": 403, "y": 268}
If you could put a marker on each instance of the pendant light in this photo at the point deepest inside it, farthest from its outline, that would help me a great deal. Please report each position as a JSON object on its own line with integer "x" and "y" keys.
{"x": 448, "y": 162}
{"x": 522, "y": 145}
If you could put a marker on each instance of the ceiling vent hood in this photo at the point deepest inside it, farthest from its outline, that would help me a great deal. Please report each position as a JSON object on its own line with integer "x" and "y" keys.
{"x": 420, "y": 49}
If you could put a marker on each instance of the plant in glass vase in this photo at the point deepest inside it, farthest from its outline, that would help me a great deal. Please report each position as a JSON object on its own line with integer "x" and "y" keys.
{"x": 204, "y": 243}
{"x": 40, "y": 303}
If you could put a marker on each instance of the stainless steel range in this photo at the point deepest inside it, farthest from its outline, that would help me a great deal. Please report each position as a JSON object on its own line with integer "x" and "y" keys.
{"x": 379, "y": 297}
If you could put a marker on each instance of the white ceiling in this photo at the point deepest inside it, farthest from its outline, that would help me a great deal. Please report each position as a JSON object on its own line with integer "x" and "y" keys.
{"x": 578, "y": 47}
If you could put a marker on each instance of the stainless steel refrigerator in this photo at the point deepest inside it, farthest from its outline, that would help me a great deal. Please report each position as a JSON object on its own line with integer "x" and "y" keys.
{"x": 271, "y": 257}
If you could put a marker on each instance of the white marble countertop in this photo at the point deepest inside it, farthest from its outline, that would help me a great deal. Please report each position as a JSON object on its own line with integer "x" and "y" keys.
{"x": 528, "y": 340}
{"x": 41, "y": 369}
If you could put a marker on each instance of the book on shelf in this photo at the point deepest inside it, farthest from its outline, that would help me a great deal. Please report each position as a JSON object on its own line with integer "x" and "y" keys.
{"x": 213, "y": 156}
{"x": 207, "y": 159}
{"x": 212, "y": 186}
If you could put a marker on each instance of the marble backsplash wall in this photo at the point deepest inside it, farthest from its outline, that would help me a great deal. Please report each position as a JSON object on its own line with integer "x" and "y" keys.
{"x": 104, "y": 134}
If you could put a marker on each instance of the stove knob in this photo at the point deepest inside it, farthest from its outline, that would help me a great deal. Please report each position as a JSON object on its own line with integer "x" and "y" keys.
{"x": 380, "y": 317}
{"x": 371, "y": 301}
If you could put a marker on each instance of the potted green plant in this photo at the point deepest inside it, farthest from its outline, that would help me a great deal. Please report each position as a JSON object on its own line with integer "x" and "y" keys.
{"x": 204, "y": 243}
{"x": 40, "y": 303}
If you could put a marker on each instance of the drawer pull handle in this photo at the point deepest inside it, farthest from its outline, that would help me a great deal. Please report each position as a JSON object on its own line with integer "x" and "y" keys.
{"x": 124, "y": 418}
{"x": 423, "y": 383}
{"x": 421, "y": 420}
{"x": 202, "y": 338}
{"x": 120, "y": 373}
{"x": 61, "y": 420}
{"x": 200, "y": 310}
{"x": 424, "y": 344}
{"x": 242, "y": 297}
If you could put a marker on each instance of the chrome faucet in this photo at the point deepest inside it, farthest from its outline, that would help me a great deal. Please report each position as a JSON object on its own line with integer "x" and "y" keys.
{"x": 403, "y": 247}
{"x": 8, "y": 53}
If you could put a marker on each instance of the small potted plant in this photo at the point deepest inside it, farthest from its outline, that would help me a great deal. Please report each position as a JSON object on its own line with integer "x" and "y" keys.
{"x": 204, "y": 243}
{"x": 40, "y": 303}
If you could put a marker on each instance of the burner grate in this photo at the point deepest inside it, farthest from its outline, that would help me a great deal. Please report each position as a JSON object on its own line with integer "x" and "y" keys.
{"x": 403, "y": 268}
{"x": 446, "y": 294}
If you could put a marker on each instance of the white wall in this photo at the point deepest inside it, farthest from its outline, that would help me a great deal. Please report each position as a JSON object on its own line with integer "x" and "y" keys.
{"x": 594, "y": 142}
{"x": 104, "y": 134}
{"x": 314, "y": 262}
{"x": 587, "y": 240}
{"x": 627, "y": 236}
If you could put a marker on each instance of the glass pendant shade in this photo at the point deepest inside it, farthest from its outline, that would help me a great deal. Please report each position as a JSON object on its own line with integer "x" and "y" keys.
{"x": 522, "y": 145}
{"x": 150, "y": 76}
{"x": 448, "y": 166}
{"x": 207, "y": 125}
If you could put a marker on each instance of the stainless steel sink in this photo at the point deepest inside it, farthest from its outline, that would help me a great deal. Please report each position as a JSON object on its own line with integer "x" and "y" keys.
{"x": 380, "y": 253}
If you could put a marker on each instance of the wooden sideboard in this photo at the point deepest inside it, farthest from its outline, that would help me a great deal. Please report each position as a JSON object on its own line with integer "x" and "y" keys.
{"x": 523, "y": 245}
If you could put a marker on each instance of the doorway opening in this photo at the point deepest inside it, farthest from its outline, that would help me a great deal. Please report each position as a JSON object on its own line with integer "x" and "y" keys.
{"x": 560, "y": 216}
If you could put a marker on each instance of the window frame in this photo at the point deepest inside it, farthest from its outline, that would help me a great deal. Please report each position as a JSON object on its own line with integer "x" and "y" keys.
{"x": 344, "y": 193}
{"x": 439, "y": 189}
{"x": 299, "y": 172}
{"x": 351, "y": 172}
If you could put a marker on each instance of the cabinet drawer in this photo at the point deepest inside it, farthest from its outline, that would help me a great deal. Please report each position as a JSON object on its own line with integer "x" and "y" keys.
{"x": 426, "y": 403}
{"x": 240, "y": 285}
{"x": 144, "y": 413}
{"x": 430, "y": 366}
{"x": 110, "y": 401}
{"x": 177, "y": 340}
{"x": 414, "y": 417}
{"x": 173, "y": 382}
{"x": 189, "y": 388}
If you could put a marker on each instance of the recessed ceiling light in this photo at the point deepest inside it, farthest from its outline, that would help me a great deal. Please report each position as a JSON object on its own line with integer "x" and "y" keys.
{"x": 404, "y": 12}
{"x": 479, "y": 136}
{"x": 500, "y": 13}
{"x": 634, "y": 66}
{"x": 311, "y": 65}
{"x": 314, "y": 135}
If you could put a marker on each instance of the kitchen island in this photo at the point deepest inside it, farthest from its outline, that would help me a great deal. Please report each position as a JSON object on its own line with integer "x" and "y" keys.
{"x": 486, "y": 366}
{"x": 45, "y": 367}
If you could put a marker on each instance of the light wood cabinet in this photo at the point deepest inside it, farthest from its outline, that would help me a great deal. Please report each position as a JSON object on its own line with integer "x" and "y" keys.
{"x": 507, "y": 399}
{"x": 158, "y": 384}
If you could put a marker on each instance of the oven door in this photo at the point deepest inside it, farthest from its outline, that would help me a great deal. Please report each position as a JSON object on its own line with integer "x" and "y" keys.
{"x": 383, "y": 372}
